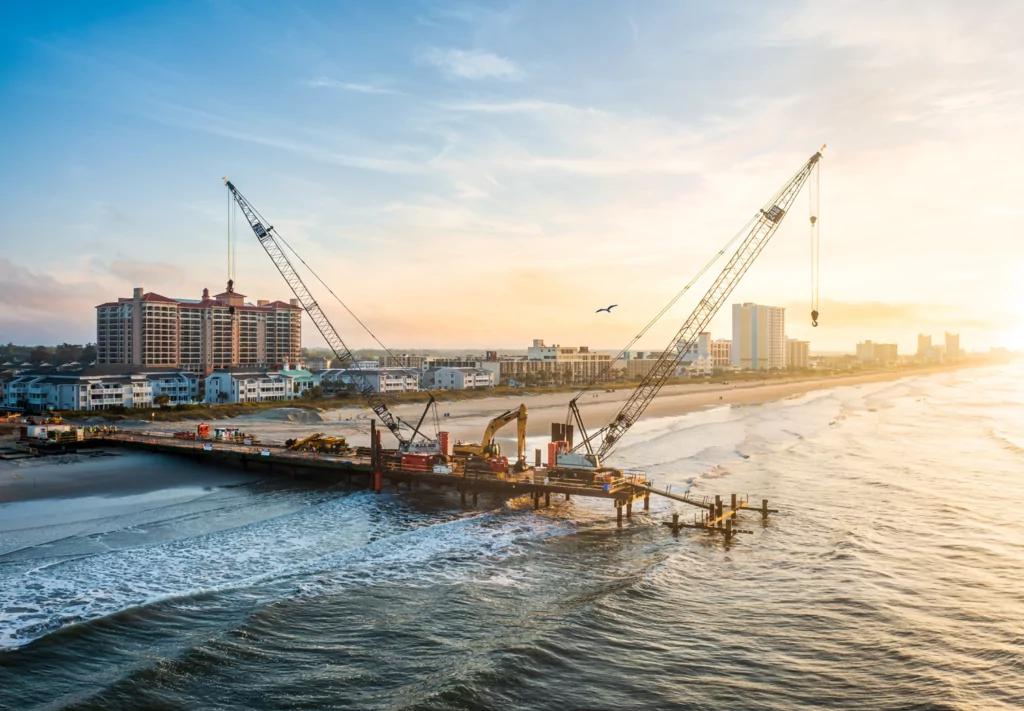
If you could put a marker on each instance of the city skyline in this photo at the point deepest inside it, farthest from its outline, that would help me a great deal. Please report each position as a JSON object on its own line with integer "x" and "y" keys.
{"x": 471, "y": 144}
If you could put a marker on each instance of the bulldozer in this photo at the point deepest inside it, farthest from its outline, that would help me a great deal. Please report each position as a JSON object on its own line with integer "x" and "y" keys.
{"x": 488, "y": 448}
{"x": 318, "y": 442}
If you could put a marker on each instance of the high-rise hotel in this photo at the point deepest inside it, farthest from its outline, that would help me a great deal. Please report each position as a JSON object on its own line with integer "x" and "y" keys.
{"x": 198, "y": 335}
{"x": 758, "y": 337}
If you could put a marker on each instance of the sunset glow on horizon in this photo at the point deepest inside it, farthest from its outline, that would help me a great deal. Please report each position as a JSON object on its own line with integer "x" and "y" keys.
{"x": 480, "y": 176}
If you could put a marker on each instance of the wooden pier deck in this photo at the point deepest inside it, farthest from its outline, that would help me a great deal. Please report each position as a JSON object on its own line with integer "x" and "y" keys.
{"x": 357, "y": 469}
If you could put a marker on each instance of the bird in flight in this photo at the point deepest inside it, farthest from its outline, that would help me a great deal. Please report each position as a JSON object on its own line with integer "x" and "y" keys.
{"x": 609, "y": 309}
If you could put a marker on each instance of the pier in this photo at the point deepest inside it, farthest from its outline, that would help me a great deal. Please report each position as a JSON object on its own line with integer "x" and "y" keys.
{"x": 362, "y": 468}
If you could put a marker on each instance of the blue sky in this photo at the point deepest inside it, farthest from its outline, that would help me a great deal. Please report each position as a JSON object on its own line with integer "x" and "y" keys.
{"x": 479, "y": 174}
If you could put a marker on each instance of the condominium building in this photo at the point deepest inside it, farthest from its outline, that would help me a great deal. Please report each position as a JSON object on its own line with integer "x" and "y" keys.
{"x": 924, "y": 344}
{"x": 198, "y": 335}
{"x": 758, "y": 337}
{"x": 99, "y": 388}
{"x": 383, "y": 380}
{"x": 879, "y": 353}
{"x": 456, "y": 378}
{"x": 721, "y": 353}
{"x": 798, "y": 354}
{"x": 245, "y": 385}
{"x": 700, "y": 350}
{"x": 952, "y": 346}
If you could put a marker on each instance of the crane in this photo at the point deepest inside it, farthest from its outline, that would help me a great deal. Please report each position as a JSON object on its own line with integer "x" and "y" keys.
{"x": 268, "y": 237}
{"x": 590, "y": 452}
{"x": 489, "y": 448}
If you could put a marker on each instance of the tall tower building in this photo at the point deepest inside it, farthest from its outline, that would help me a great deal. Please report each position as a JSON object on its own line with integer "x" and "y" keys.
{"x": 198, "y": 335}
{"x": 758, "y": 337}
{"x": 924, "y": 344}
{"x": 952, "y": 346}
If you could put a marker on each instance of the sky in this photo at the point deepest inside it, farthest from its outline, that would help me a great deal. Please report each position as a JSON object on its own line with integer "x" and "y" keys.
{"x": 482, "y": 174}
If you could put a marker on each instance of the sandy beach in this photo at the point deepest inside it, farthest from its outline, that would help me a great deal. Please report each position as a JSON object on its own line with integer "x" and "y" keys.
{"x": 466, "y": 419}
{"x": 91, "y": 474}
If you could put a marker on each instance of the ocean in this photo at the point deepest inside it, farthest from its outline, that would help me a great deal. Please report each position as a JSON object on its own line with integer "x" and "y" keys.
{"x": 891, "y": 578}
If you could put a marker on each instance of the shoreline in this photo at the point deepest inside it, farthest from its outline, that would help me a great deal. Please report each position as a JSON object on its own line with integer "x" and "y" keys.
{"x": 466, "y": 419}
{"x": 89, "y": 475}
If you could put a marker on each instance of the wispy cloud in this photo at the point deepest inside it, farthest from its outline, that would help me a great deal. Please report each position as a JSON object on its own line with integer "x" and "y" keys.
{"x": 471, "y": 63}
{"x": 328, "y": 83}
{"x": 206, "y": 122}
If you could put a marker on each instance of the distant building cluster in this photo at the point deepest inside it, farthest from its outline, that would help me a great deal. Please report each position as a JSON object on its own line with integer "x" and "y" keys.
{"x": 154, "y": 350}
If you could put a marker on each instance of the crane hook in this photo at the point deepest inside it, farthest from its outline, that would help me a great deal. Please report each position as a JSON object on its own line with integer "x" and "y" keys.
{"x": 814, "y": 318}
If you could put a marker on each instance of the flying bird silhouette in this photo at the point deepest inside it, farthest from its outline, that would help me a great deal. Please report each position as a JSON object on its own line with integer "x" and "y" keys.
{"x": 609, "y": 309}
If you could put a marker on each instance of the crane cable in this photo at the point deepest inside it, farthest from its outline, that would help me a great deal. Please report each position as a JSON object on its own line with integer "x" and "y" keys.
{"x": 604, "y": 371}
{"x": 337, "y": 298}
{"x": 814, "y": 186}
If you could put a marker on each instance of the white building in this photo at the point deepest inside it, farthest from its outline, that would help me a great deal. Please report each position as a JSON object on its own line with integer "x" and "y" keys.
{"x": 456, "y": 378}
{"x": 698, "y": 351}
{"x": 224, "y": 387}
{"x": 383, "y": 380}
{"x": 758, "y": 337}
{"x": 97, "y": 389}
{"x": 233, "y": 386}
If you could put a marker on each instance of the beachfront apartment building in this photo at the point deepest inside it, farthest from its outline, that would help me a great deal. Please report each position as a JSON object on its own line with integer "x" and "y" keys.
{"x": 952, "y": 346}
{"x": 456, "y": 379}
{"x": 570, "y": 364}
{"x": 877, "y": 353}
{"x": 234, "y": 385}
{"x": 798, "y": 354}
{"x": 198, "y": 335}
{"x": 758, "y": 337}
{"x": 721, "y": 353}
{"x": 383, "y": 380}
{"x": 99, "y": 388}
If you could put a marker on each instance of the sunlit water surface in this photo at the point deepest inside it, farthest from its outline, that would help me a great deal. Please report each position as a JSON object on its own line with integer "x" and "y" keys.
{"x": 893, "y": 577}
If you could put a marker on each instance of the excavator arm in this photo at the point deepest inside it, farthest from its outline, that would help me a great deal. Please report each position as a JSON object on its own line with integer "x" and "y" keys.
{"x": 486, "y": 446}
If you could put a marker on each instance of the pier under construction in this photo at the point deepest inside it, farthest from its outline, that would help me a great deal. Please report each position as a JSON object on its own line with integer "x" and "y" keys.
{"x": 379, "y": 469}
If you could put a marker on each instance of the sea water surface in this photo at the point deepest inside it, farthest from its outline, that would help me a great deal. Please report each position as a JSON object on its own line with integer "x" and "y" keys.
{"x": 891, "y": 578}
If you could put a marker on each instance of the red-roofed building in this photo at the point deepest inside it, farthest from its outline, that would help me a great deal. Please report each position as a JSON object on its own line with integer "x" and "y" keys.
{"x": 198, "y": 335}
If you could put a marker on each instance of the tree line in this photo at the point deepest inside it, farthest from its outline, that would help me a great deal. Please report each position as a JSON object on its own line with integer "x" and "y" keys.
{"x": 54, "y": 355}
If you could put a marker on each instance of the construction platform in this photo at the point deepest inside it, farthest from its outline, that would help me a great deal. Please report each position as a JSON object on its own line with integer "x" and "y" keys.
{"x": 357, "y": 469}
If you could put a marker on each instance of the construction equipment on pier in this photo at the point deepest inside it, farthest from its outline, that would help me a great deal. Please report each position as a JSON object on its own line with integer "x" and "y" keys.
{"x": 593, "y": 448}
{"x": 318, "y": 442}
{"x": 489, "y": 447}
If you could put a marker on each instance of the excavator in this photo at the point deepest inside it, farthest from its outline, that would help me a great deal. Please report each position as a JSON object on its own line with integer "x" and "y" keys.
{"x": 318, "y": 442}
{"x": 488, "y": 448}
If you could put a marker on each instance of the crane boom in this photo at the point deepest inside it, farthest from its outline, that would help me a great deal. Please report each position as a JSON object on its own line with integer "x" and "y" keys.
{"x": 265, "y": 234}
{"x": 765, "y": 224}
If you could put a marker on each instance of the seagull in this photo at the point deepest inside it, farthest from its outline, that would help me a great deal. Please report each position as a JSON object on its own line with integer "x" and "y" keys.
{"x": 609, "y": 309}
